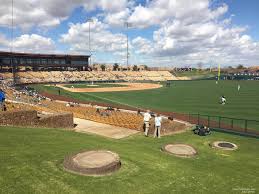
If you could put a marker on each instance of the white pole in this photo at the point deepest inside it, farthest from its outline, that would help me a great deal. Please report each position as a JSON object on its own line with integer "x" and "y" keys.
{"x": 12, "y": 30}
{"x": 127, "y": 24}
{"x": 12, "y": 34}
{"x": 127, "y": 47}
{"x": 89, "y": 42}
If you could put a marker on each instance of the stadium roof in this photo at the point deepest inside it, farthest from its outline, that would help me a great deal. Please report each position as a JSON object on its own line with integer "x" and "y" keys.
{"x": 3, "y": 53}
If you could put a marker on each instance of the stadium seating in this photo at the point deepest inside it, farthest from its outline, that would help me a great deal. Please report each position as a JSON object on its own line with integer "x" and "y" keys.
{"x": 74, "y": 76}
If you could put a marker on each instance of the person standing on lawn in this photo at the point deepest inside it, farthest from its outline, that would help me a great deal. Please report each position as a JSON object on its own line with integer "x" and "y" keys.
{"x": 158, "y": 122}
{"x": 147, "y": 118}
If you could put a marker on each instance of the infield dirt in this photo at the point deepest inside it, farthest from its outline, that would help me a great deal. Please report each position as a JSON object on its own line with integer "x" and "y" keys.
{"x": 127, "y": 87}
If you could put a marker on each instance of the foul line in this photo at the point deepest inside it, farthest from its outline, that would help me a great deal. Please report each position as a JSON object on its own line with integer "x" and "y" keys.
{"x": 103, "y": 98}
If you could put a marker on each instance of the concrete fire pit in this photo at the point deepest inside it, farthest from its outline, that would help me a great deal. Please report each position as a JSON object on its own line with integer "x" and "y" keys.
{"x": 180, "y": 150}
{"x": 95, "y": 162}
{"x": 224, "y": 145}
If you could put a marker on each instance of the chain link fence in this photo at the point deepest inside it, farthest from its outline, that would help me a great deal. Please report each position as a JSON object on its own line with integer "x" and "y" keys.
{"x": 243, "y": 126}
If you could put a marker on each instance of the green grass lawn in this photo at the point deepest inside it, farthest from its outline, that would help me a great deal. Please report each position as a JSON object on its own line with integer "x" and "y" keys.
{"x": 95, "y": 85}
{"x": 31, "y": 162}
{"x": 185, "y": 96}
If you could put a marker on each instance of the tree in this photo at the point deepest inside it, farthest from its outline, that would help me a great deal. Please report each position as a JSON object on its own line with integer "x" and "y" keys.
{"x": 200, "y": 65}
{"x": 115, "y": 67}
{"x": 135, "y": 68}
{"x": 240, "y": 66}
{"x": 145, "y": 67}
{"x": 103, "y": 67}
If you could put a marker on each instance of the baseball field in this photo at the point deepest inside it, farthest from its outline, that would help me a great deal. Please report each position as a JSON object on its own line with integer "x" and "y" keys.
{"x": 32, "y": 159}
{"x": 182, "y": 96}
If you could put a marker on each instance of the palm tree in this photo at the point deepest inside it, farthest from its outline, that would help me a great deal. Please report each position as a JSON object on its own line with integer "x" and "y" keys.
{"x": 135, "y": 68}
{"x": 115, "y": 67}
{"x": 103, "y": 67}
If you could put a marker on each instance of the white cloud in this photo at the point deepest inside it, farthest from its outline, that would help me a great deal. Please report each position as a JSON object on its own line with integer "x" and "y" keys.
{"x": 117, "y": 19}
{"x": 33, "y": 43}
{"x": 102, "y": 40}
{"x": 201, "y": 37}
{"x": 28, "y": 13}
{"x": 48, "y": 13}
{"x": 188, "y": 11}
{"x": 29, "y": 43}
{"x": 105, "y": 5}
{"x": 142, "y": 45}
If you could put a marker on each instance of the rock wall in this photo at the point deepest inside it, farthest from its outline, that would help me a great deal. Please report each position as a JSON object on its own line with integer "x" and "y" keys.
{"x": 57, "y": 121}
{"x": 18, "y": 118}
{"x": 31, "y": 119}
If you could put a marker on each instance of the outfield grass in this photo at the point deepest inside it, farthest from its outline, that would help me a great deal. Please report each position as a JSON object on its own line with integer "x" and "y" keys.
{"x": 31, "y": 162}
{"x": 95, "y": 85}
{"x": 185, "y": 96}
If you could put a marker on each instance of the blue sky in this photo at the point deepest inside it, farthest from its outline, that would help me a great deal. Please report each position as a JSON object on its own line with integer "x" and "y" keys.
{"x": 163, "y": 32}
{"x": 245, "y": 14}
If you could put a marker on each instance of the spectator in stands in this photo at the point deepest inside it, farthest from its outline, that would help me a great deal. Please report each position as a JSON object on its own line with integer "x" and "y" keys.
{"x": 171, "y": 118}
{"x": 2, "y": 99}
{"x": 4, "y": 108}
{"x": 147, "y": 118}
{"x": 105, "y": 113}
{"x": 158, "y": 121}
{"x": 109, "y": 108}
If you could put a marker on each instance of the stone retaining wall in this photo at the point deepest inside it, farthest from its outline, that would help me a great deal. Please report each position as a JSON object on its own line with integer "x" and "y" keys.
{"x": 18, "y": 118}
{"x": 31, "y": 119}
{"x": 57, "y": 121}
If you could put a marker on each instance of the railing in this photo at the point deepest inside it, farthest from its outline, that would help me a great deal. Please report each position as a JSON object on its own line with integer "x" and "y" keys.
{"x": 236, "y": 125}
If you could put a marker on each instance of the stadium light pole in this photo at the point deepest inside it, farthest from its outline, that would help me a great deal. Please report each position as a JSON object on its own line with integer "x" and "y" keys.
{"x": 127, "y": 25}
{"x": 89, "y": 39}
{"x": 11, "y": 49}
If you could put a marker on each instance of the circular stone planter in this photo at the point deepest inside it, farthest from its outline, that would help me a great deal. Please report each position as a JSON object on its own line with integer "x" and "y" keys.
{"x": 95, "y": 162}
{"x": 180, "y": 150}
{"x": 224, "y": 145}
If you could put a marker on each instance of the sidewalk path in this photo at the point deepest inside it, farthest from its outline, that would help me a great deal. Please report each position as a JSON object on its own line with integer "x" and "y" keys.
{"x": 86, "y": 126}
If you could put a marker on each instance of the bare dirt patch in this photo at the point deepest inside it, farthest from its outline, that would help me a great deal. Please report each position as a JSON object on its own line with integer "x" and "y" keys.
{"x": 168, "y": 127}
{"x": 127, "y": 87}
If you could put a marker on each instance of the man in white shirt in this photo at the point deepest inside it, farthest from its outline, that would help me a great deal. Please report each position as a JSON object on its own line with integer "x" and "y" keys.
{"x": 158, "y": 121}
{"x": 147, "y": 117}
{"x": 223, "y": 100}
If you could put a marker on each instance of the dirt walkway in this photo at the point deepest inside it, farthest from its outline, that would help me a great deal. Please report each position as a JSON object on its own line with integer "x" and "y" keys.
{"x": 86, "y": 126}
{"x": 127, "y": 87}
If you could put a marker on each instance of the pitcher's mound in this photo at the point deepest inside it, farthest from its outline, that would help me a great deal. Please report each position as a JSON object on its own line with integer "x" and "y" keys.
{"x": 181, "y": 150}
{"x": 224, "y": 145}
{"x": 96, "y": 162}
